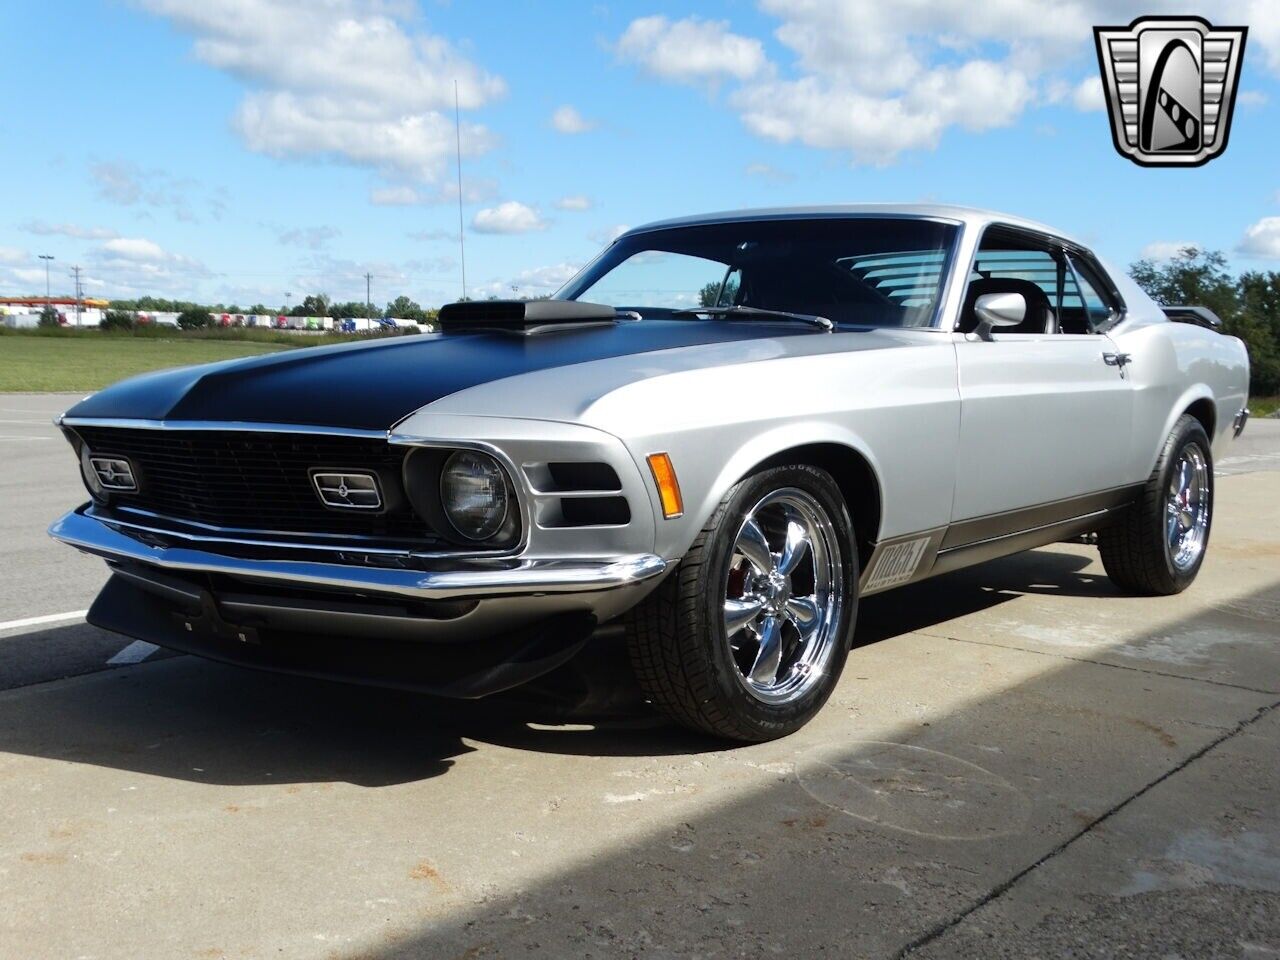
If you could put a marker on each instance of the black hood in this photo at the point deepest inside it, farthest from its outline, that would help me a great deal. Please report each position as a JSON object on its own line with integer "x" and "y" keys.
{"x": 373, "y": 385}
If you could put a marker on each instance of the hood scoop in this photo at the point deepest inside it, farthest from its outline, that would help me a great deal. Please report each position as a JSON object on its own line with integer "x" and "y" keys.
{"x": 524, "y": 317}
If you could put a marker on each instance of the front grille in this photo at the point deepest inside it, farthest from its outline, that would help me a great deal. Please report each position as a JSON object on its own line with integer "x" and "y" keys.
{"x": 247, "y": 480}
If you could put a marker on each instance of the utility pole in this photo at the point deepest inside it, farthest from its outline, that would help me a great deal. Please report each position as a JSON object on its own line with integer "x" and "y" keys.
{"x": 75, "y": 272}
{"x": 46, "y": 257}
{"x": 368, "y": 301}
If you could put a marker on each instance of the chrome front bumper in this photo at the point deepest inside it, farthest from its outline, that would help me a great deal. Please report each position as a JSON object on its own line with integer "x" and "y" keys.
{"x": 444, "y": 579}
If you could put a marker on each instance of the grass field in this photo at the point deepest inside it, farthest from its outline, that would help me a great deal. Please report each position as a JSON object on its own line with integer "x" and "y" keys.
{"x": 44, "y": 364}
{"x": 51, "y": 360}
{"x": 1263, "y": 406}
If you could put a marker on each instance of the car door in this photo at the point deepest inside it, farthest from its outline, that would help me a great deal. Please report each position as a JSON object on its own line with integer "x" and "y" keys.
{"x": 1046, "y": 408}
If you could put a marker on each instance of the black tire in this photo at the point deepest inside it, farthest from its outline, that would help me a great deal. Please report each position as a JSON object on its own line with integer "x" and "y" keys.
{"x": 677, "y": 639}
{"x": 1136, "y": 550}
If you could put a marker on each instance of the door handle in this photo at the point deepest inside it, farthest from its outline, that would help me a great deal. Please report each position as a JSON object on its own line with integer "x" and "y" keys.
{"x": 1116, "y": 359}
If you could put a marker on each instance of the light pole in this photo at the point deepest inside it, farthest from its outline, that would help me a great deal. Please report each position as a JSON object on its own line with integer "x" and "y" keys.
{"x": 46, "y": 257}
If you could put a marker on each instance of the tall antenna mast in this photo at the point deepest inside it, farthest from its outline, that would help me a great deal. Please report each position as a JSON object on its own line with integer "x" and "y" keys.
{"x": 457, "y": 129}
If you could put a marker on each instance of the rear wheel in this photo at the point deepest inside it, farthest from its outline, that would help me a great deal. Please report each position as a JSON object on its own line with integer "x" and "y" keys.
{"x": 747, "y": 639}
{"x": 1158, "y": 546}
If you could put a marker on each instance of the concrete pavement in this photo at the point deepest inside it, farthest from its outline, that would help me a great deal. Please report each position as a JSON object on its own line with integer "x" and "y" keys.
{"x": 1018, "y": 761}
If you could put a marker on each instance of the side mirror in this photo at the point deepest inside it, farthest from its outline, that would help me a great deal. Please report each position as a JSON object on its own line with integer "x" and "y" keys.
{"x": 998, "y": 310}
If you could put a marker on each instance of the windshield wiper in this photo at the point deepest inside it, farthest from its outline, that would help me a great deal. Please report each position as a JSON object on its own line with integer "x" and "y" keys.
{"x": 820, "y": 322}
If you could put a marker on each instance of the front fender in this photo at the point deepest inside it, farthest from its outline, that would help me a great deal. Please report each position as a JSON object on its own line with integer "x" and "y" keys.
{"x": 706, "y": 477}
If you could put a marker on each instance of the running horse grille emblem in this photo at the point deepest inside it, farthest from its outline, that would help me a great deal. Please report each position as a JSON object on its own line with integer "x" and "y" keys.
{"x": 347, "y": 490}
{"x": 1170, "y": 84}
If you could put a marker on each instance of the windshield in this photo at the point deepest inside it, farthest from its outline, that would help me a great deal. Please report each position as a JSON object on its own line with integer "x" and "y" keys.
{"x": 862, "y": 271}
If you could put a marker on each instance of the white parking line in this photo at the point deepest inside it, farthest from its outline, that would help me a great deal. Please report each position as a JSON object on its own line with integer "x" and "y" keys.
{"x": 41, "y": 423}
{"x": 135, "y": 652}
{"x": 28, "y": 438}
{"x": 40, "y": 621}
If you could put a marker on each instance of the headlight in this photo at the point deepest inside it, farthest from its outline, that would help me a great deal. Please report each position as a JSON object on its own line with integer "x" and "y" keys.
{"x": 473, "y": 489}
{"x": 90, "y": 475}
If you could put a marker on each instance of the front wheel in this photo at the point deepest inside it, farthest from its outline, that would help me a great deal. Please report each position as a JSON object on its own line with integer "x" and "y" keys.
{"x": 1158, "y": 546}
{"x": 746, "y": 640}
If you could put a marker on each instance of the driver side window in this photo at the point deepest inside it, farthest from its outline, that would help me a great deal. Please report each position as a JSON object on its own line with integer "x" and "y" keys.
{"x": 1011, "y": 262}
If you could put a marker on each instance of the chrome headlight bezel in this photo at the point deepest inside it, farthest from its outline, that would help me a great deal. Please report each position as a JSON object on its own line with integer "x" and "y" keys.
{"x": 89, "y": 475}
{"x": 477, "y": 522}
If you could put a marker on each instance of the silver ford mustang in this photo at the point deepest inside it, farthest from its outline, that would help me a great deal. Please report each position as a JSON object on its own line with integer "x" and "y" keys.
{"x": 714, "y": 440}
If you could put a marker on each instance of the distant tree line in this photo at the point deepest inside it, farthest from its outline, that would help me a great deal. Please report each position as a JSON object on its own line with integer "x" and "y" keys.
{"x": 192, "y": 315}
{"x": 1249, "y": 304}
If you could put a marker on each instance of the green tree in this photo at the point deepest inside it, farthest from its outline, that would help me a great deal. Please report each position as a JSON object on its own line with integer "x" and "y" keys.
{"x": 194, "y": 318}
{"x": 718, "y": 294}
{"x": 49, "y": 317}
{"x": 405, "y": 309}
{"x": 1249, "y": 305}
{"x": 1260, "y": 328}
{"x": 1192, "y": 277}
{"x": 351, "y": 308}
{"x": 116, "y": 320}
{"x": 313, "y": 305}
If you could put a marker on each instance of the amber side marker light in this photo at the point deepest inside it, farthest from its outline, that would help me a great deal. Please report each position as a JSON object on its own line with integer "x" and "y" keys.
{"x": 664, "y": 475}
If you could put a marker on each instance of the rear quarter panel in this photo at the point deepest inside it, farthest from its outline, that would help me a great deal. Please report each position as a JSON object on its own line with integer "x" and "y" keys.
{"x": 1174, "y": 365}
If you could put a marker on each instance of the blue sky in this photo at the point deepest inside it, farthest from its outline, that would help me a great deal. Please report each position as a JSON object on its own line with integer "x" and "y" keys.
{"x": 242, "y": 149}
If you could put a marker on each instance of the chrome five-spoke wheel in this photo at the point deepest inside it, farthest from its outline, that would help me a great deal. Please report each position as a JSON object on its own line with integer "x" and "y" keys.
{"x": 1187, "y": 507}
{"x": 783, "y": 593}
{"x": 1156, "y": 546}
{"x": 747, "y": 639}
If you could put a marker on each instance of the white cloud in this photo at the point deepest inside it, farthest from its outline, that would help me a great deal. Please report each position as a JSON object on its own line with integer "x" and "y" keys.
{"x": 76, "y": 232}
{"x": 1252, "y": 98}
{"x": 313, "y": 238}
{"x": 1165, "y": 249}
{"x": 690, "y": 50}
{"x": 606, "y": 235}
{"x": 346, "y": 79}
{"x": 126, "y": 183}
{"x": 567, "y": 119}
{"x": 283, "y": 124}
{"x": 509, "y": 217}
{"x": 474, "y": 190}
{"x": 130, "y": 266}
{"x": 575, "y": 202}
{"x": 141, "y": 252}
{"x": 767, "y": 171}
{"x": 1088, "y": 95}
{"x": 118, "y": 182}
{"x": 874, "y": 79}
{"x": 1262, "y": 240}
{"x": 874, "y": 129}
{"x": 535, "y": 282}
{"x": 401, "y": 196}
{"x": 13, "y": 255}
{"x": 428, "y": 235}
{"x": 30, "y": 275}
{"x": 134, "y": 248}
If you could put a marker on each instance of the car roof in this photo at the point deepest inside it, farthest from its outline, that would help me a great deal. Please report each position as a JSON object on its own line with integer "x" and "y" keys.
{"x": 969, "y": 216}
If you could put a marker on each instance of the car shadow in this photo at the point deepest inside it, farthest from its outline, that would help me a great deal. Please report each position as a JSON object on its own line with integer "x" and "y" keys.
{"x": 919, "y": 606}
{"x": 185, "y": 718}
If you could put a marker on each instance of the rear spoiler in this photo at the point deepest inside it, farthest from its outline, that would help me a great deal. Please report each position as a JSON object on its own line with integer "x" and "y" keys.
{"x": 1200, "y": 316}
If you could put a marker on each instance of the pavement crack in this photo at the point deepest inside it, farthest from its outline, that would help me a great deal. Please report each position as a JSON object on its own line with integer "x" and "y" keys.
{"x": 1103, "y": 663}
{"x": 1005, "y": 886}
